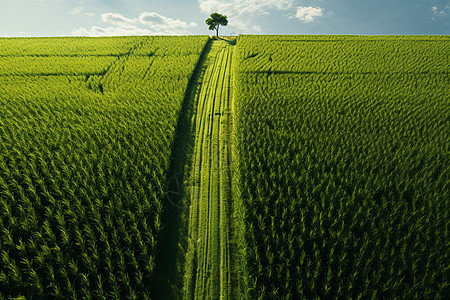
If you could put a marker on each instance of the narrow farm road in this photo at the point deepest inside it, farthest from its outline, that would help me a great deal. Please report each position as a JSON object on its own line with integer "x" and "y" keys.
{"x": 208, "y": 266}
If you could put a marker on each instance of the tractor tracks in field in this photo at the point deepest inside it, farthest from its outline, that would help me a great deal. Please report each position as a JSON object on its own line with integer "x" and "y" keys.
{"x": 172, "y": 243}
{"x": 195, "y": 260}
{"x": 207, "y": 273}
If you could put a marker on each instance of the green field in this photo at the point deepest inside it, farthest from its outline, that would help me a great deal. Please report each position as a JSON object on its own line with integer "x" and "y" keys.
{"x": 344, "y": 162}
{"x": 86, "y": 133}
{"x": 267, "y": 167}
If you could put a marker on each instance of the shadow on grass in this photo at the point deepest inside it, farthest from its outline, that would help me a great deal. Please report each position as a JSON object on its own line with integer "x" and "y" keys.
{"x": 172, "y": 243}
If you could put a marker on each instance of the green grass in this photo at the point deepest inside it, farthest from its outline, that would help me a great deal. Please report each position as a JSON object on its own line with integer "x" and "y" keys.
{"x": 343, "y": 166}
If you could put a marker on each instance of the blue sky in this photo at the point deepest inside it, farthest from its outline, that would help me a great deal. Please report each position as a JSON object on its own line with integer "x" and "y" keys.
{"x": 176, "y": 17}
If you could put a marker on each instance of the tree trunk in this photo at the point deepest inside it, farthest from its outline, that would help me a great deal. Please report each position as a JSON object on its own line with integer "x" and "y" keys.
{"x": 217, "y": 31}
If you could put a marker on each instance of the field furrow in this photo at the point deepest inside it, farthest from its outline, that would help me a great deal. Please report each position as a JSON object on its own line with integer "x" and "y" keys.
{"x": 207, "y": 273}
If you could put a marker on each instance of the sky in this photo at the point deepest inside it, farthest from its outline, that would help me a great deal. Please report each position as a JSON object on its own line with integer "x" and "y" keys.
{"x": 182, "y": 17}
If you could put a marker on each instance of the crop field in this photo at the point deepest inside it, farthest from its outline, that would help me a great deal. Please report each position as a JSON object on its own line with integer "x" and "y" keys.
{"x": 84, "y": 154}
{"x": 343, "y": 158}
{"x": 262, "y": 167}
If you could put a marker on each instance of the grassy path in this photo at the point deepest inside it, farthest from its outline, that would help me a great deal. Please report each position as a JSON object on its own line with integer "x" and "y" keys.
{"x": 208, "y": 266}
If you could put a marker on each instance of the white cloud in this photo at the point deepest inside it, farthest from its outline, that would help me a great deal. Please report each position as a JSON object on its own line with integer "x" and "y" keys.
{"x": 308, "y": 13}
{"x": 118, "y": 20}
{"x": 241, "y": 13}
{"x": 159, "y": 22}
{"x": 76, "y": 11}
{"x": 256, "y": 28}
{"x": 439, "y": 13}
{"x": 158, "y": 25}
{"x": 110, "y": 31}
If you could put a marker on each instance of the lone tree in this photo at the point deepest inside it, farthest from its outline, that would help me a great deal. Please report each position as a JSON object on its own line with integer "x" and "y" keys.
{"x": 215, "y": 20}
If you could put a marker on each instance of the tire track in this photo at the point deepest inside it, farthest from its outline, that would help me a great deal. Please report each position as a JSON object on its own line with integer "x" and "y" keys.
{"x": 207, "y": 271}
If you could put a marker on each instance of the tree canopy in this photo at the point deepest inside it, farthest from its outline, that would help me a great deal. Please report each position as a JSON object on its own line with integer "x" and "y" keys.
{"x": 215, "y": 20}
